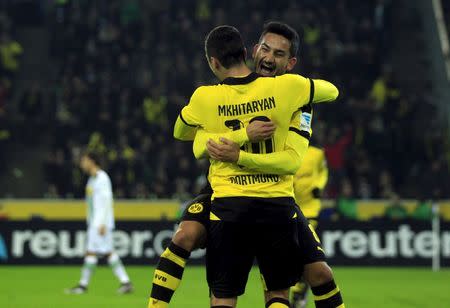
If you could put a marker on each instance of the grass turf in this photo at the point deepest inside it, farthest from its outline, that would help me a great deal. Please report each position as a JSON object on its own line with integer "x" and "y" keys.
{"x": 42, "y": 287}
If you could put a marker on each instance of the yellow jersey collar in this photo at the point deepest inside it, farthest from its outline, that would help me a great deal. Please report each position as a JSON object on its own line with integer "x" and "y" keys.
{"x": 241, "y": 80}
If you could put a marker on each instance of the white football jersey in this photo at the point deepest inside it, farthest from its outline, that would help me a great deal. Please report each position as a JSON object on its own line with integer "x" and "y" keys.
{"x": 99, "y": 199}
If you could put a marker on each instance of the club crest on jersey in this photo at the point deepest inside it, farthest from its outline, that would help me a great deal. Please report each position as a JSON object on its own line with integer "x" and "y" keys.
{"x": 195, "y": 208}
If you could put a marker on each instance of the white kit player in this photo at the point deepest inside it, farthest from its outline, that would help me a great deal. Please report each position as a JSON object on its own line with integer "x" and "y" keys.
{"x": 100, "y": 223}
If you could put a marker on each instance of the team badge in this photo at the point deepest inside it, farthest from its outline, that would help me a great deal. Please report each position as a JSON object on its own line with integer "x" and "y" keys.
{"x": 195, "y": 208}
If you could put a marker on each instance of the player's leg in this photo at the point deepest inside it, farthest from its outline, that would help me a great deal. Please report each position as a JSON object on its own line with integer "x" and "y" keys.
{"x": 89, "y": 264}
{"x": 299, "y": 292}
{"x": 119, "y": 271}
{"x": 277, "y": 299}
{"x": 223, "y": 302}
{"x": 190, "y": 235}
{"x": 170, "y": 268}
{"x": 316, "y": 271}
{"x": 278, "y": 261}
{"x": 228, "y": 261}
{"x": 326, "y": 293}
{"x": 105, "y": 247}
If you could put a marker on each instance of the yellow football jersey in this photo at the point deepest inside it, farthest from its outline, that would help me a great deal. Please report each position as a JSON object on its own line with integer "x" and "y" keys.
{"x": 234, "y": 104}
{"x": 312, "y": 174}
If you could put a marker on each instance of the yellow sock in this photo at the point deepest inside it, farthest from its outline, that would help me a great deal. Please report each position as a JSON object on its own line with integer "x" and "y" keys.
{"x": 167, "y": 277}
{"x": 278, "y": 305}
{"x": 328, "y": 295}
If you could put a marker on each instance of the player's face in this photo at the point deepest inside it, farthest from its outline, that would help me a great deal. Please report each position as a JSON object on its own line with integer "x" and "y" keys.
{"x": 85, "y": 163}
{"x": 272, "y": 56}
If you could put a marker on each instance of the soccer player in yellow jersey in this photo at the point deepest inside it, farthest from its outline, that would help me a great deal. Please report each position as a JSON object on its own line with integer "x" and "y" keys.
{"x": 309, "y": 182}
{"x": 274, "y": 54}
{"x": 316, "y": 271}
{"x": 252, "y": 212}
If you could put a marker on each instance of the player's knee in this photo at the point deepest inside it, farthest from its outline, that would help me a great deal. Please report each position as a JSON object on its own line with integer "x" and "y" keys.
{"x": 317, "y": 274}
{"x": 189, "y": 236}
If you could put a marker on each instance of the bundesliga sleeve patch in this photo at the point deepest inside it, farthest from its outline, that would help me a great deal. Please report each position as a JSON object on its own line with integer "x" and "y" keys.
{"x": 305, "y": 121}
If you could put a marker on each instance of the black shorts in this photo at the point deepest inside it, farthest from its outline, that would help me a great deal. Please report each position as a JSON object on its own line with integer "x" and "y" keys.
{"x": 310, "y": 248}
{"x": 198, "y": 210}
{"x": 233, "y": 246}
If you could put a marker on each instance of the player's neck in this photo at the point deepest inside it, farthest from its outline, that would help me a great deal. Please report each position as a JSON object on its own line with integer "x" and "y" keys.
{"x": 94, "y": 171}
{"x": 236, "y": 71}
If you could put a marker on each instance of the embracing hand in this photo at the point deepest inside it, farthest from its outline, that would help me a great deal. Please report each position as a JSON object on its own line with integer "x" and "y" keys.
{"x": 226, "y": 151}
{"x": 260, "y": 130}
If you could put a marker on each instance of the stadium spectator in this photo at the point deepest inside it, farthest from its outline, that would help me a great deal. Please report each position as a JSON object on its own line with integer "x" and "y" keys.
{"x": 125, "y": 68}
{"x": 346, "y": 204}
{"x": 5, "y": 135}
{"x": 423, "y": 210}
{"x": 395, "y": 210}
{"x": 10, "y": 51}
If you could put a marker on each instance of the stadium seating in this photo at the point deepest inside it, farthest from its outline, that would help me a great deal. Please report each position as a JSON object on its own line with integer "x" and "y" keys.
{"x": 127, "y": 68}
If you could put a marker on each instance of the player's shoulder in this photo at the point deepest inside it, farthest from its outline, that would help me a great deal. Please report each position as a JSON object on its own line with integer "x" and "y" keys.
{"x": 207, "y": 89}
{"x": 205, "y": 92}
{"x": 103, "y": 177}
{"x": 292, "y": 78}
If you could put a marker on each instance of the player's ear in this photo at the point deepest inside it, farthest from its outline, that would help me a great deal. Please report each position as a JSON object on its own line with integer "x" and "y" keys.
{"x": 215, "y": 63}
{"x": 255, "y": 50}
{"x": 291, "y": 64}
{"x": 245, "y": 53}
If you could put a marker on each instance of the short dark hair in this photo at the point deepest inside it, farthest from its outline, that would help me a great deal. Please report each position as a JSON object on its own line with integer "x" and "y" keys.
{"x": 226, "y": 45}
{"x": 284, "y": 30}
{"x": 95, "y": 157}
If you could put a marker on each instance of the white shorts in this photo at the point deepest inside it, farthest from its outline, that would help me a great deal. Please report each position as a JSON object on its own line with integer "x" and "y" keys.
{"x": 100, "y": 244}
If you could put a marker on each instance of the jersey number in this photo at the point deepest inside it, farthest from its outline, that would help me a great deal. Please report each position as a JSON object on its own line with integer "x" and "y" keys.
{"x": 262, "y": 147}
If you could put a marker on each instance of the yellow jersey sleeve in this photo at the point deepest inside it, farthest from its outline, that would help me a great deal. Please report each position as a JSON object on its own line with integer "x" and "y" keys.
{"x": 301, "y": 91}
{"x": 323, "y": 91}
{"x": 199, "y": 146}
{"x": 322, "y": 172}
{"x": 295, "y": 120}
{"x": 190, "y": 117}
{"x": 294, "y": 88}
{"x": 301, "y": 122}
{"x": 285, "y": 162}
{"x": 183, "y": 131}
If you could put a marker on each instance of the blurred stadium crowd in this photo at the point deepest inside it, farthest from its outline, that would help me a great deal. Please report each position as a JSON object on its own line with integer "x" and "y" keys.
{"x": 125, "y": 69}
{"x": 10, "y": 52}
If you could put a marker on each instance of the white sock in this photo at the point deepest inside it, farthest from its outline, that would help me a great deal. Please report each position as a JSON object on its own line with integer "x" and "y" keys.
{"x": 118, "y": 268}
{"x": 88, "y": 268}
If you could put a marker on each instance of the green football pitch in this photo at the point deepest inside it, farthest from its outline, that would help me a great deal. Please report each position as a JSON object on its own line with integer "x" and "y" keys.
{"x": 24, "y": 287}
